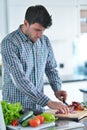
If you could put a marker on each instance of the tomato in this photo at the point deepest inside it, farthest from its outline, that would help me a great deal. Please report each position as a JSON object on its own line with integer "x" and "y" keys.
{"x": 41, "y": 118}
{"x": 80, "y": 107}
{"x": 14, "y": 122}
{"x": 77, "y": 106}
{"x": 34, "y": 122}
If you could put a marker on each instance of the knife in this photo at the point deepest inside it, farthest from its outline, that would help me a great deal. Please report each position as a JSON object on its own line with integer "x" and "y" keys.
{"x": 65, "y": 102}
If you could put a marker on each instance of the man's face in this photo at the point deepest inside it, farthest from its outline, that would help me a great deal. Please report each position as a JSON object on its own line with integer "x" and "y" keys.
{"x": 34, "y": 31}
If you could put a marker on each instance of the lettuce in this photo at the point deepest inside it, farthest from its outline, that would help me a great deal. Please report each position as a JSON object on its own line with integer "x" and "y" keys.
{"x": 11, "y": 111}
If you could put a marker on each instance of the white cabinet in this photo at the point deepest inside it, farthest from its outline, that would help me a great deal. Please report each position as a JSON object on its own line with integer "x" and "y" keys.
{"x": 72, "y": 89}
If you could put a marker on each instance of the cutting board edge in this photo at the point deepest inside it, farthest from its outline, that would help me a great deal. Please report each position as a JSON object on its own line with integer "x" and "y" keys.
{"x": 73, "y": 118}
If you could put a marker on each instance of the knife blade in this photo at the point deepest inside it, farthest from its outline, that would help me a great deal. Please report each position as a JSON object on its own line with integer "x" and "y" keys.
{"x": 65, "y": 103}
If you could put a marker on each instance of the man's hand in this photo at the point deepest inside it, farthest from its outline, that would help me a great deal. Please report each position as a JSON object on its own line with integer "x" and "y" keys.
{"x": 61, "y": 95}
{"x": 58, "y": 106}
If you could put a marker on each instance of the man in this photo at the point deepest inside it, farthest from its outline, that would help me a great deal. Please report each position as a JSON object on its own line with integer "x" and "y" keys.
{"x": 27, "y": 54}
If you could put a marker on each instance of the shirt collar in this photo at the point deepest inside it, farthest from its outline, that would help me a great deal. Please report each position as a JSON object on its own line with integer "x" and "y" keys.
{"x": 23, "y": 36}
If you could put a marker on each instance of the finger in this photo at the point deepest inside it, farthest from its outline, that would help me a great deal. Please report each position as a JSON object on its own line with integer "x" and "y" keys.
{"x": 61, "y": 98}
{"x": 64, "y": 109}
{"x": 64, "y": 95}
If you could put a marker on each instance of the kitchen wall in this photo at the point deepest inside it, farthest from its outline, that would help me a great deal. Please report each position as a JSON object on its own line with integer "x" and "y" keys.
{"x": 73, "y": 91}
{"x": 3, "y": 19}
{"x": 65, "y": 28}
{"x": 83, "y": 2}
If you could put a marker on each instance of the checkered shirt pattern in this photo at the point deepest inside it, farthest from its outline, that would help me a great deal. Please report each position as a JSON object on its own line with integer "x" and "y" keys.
{"x": 24, "y": 65}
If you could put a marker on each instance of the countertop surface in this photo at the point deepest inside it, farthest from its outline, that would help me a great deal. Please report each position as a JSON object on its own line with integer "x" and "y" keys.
{"x": 70, "y": 78}
{"x": 73, "y": 78}
{"x": 83, "y": 90}
{"x": 69, "y": 125}
{"x": 58, "y": 125}
{"x": 72, "y": 125}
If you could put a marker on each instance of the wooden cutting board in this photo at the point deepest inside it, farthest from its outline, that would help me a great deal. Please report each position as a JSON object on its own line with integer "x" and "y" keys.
{"x": 76, "y": 116}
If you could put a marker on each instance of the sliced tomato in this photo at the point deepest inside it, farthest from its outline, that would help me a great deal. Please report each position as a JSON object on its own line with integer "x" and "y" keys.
{"x": 34, "y": 122}
{"x": 41, "y": 118}
{"x": 80, "y": 107}
{"x": 76, "y": 106}
{"x": 15, "y": 122}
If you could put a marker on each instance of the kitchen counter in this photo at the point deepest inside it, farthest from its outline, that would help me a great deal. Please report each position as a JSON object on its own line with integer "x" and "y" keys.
{"x": 69, "y": 125}
{"x": 58, "y": 125}
{"x": 84, "y": 121}
{"x": 66, "y": 122}
{"x": 84, "y": 92}
{"x": 73, "y": 78}
{"x": 70, "y": 78}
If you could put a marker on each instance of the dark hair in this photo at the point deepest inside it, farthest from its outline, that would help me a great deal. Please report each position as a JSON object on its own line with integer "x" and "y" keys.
{"x": 38, "y": 14}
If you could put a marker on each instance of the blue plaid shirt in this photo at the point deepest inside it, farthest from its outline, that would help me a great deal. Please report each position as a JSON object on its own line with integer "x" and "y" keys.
{"x": 24, "y": 65}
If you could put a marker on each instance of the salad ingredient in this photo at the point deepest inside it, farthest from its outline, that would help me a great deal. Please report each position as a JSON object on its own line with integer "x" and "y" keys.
{"x": 25, "y": 116}
{"x": 76, "y": 106}
{"x": 41, "y": 118}
{"x": 26, "y": 122}
{"x": 15, "y": 122}
{"x": 11, "y": 111}
{"x": 34, "y": 122}
{"x": 48, "y": 117}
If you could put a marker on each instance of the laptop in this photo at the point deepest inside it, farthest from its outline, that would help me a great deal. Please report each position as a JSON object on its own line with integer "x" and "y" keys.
{"x": 67, "y": 125}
